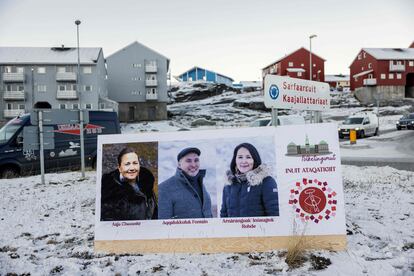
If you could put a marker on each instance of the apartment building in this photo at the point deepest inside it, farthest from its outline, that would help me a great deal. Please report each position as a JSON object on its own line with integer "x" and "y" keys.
{"x": 42, "y": 77}
{"x": 137, "y": 80}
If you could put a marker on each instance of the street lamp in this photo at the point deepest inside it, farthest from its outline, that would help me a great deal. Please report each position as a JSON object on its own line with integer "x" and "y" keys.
{"x": 82, "y": 147}
{"x": 310, "y": 68}
{"x": 310, "y": 55}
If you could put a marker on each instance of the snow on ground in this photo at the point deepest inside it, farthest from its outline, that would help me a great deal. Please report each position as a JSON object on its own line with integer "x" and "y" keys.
{"x": 48, "y": 229}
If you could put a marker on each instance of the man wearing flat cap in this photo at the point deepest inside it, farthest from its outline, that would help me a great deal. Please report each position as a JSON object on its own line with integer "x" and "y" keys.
{"x": 183, "y": 195}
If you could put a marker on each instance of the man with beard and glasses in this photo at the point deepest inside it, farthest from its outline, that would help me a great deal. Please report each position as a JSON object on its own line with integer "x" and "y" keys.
{"x": 183, "y": 195}
{"x": 127, "y": 192}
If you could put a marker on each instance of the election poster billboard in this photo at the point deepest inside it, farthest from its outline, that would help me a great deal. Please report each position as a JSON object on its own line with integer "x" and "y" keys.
{"x": 227, "y": 190}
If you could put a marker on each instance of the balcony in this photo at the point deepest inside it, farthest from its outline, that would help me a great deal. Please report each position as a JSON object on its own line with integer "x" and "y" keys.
{"x": 11, "y": 113}
{"x": 370, "y": 82}
{"x": 151, "y": 82}
{"x": 65, "y": 76}
{"x": 152, "y": 96}
{"x": 397, "y": 67}
{"x": 14, "y": 95}
{"x": 13, "y": 77}
{"x": 66, "y": 95}
{"x": 150, "y": 68}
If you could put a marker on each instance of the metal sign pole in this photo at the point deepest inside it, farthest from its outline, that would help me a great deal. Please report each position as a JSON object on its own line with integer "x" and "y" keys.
{"x": 42, "y": 157}
{"x": 81, "y": 143}
{"x": 274, "y": 117}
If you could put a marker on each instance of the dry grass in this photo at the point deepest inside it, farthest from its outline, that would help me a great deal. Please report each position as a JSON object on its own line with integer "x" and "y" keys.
{"x": 296, "y": 250}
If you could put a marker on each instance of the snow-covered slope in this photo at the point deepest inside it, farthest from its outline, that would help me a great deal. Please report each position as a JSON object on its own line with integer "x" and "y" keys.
{"x": 48, "y": 229}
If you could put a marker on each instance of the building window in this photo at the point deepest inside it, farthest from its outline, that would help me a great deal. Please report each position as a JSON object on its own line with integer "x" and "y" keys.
{"x": 290, "y": 64}
{"x": 87, "y": 70}
{"x": 136, "y": 92}
{"x": 391, "y": 76}
{"x": 136, "y": 65}
{"x": 65, "y": 69}
{"x": 370, "y": 76}
{"x": 383, "y": 76}
{"x": 41, "y": 88}
{"x": 299, "y": 74}
{"x": 9, "y": 106}
{"x": 399, "y": 76}
{"x": 87, "y": 88}
{"x": 369, "y": 65}
{"x": 302, "y": 64}
{"x": 13, "y": 69}
{"x": 151, "y": 77}
{"x": 41, "y": 70}
{"x": 411, "y": 63}
{"x": 88, "y": 106}
{"x": 21, "y": 106}
{"x": 14, "y": 87}
{"x": 75, "y": 106}
{"x": 67, "y": 87}
{"x": 101, "y": 106}
{"x": 365, "y": 54}
{"x": 62, "y": 106}
{"x": 359, "y": 56}
{"x": 314, "y": 65}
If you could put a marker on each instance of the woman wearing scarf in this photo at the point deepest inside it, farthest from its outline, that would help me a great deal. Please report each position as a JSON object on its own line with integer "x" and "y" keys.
{"x": 251, "y": 191}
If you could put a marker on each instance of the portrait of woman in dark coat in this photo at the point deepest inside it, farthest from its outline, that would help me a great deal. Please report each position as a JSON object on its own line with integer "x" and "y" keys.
{"x": 251, "y": 190}
{"x": 127, "y": 192}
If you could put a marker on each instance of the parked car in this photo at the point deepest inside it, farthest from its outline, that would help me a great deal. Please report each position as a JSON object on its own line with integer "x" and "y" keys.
{"x": 406, "y": 121}
{"x": 364, "y": 123}
{"x": 15, "y": 161}
{"x": 282, "y": 120}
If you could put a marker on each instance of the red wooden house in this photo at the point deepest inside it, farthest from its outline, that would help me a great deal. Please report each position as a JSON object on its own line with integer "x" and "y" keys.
{"x": 385, "y": 73}
{"x": 296, "y": 65}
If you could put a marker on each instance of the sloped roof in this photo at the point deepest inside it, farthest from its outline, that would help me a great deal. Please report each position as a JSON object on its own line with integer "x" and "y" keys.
{"x": 313, "y": 54}
{"x": 390, "y": 53}
{"x": 46, "y": 55}
{"x": 193, "y": 68}
{"x": 141, "y": 45}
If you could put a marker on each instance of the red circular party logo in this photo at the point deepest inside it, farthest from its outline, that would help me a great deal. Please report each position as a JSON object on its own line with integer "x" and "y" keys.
{"x": 313, "y": 200}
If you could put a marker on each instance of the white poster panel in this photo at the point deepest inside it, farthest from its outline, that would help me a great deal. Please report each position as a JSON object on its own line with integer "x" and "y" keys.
{"x": 219, "y": 183}
{"x": 291, "y": 93}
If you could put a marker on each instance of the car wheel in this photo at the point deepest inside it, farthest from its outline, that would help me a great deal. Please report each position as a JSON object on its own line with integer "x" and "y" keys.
{"x": 9, "y": 172}
{"x": 376, "y": 132}
{"x": 362, "y": 134}
{"x": 341, "y": 136}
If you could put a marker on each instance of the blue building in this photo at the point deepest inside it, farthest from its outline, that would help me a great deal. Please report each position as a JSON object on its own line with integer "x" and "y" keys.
{"x": 200, "y": 74}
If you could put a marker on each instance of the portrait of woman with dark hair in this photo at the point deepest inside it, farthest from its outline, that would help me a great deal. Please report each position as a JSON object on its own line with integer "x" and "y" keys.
{"x": 128, "y": 191}
{"x": 251, "y": 190}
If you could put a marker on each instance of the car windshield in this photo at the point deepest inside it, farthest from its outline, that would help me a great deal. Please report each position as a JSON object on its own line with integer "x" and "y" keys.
{"x": 410, "y": 116}
{"x": 8, "y": 130}
{"x": 260, "y": 122}
{"x": 353, "y": 121}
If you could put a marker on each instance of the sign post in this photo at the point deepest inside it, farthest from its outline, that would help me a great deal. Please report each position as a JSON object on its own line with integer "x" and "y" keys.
{"x": 42, "y": 157}
{"x": 54, "y": 117}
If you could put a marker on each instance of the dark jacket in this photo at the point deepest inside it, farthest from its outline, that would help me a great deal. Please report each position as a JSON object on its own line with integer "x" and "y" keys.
{"x": 178, "y": 198}
{"x": 119, "y": 200}
{"x": 255, "y": 196}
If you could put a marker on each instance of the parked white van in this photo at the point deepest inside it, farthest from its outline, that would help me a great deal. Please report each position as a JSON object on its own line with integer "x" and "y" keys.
{"x": 365, "y": 124}
{"x": 282, "y": 120}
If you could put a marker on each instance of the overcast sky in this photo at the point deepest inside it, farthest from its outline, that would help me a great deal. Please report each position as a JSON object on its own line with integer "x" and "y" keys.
{"x": 233, "y": 37}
